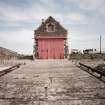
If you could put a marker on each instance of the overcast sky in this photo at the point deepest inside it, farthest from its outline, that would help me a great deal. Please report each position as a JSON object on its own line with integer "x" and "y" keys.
{"x": 84, "y": 20}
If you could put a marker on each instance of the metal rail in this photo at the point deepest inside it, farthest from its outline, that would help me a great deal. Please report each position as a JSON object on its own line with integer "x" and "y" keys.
{"x": 5, "y": 71}
{"x": 88, "y": 67}
{"x": 91, "y": 71}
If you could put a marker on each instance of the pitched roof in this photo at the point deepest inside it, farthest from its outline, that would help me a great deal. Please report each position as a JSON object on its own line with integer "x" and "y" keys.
{"x": 59, "y": 29}
{"x": 7, "y": 51}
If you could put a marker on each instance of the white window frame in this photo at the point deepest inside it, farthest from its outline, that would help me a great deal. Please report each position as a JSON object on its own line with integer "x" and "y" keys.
{"x": 48, "y": 25}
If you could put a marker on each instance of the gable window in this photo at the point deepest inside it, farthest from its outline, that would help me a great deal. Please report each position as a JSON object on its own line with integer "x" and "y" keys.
{"x": 50, "y": 27}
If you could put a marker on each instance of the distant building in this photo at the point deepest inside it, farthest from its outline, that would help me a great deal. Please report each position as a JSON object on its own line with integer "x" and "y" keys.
{"x": 50, "y": 40}
{"x": 7, "y": 54}
{"x": 74, "y": 51}
{"x": 88, "y": 51}
{"x": 92, "y": 51}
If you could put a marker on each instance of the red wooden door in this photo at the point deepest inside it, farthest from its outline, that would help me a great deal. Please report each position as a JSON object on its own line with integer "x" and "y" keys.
{"x": 51, "y": 48}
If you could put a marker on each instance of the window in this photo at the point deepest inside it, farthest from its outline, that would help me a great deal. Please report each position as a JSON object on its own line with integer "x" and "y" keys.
{"x": 50, "y": 27}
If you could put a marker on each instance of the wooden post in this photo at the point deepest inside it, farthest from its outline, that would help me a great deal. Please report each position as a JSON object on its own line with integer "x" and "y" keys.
{"x": 46, "y": 90}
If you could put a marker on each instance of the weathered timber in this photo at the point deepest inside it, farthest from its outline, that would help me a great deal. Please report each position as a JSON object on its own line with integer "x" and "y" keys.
{"x": 5, "y": 71}
{"x": 98, "y": 69}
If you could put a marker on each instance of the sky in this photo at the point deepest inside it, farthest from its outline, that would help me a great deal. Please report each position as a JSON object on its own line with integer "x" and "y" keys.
{"x": 84, "y": 20}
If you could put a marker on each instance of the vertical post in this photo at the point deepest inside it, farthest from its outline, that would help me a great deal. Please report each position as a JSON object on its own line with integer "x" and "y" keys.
{"x": 46, "y": 89}
{"x": 34, "y": 50}
{"x": 51, "y": 79}
{"x": 100, "y": 43}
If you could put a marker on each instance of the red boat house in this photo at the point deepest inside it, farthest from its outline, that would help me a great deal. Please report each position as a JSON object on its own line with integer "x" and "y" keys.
{"x": 50, "y": 40}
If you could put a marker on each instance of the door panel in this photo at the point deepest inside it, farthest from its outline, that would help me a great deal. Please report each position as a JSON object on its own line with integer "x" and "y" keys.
{"x": 51, "y": 48}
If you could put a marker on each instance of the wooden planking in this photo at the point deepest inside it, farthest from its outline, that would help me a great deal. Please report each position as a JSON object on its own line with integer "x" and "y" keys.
{"x": 51, "y": 48}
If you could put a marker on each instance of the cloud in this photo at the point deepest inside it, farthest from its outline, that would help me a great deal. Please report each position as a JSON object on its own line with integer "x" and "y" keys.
{"x": 20, "y": 40}
{"x": 16, "y": 15}
{"x": 18, "y": 19}
{"x": 77, "y": 18}
{"x": 89, "y": 4}
{"x": 37, "y": 10}
{"x": 13, "y": 15}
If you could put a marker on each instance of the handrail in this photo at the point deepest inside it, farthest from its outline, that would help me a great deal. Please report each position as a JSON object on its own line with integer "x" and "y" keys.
{"x": 5, "y": 71}
{"x": 99, "y": 71}
{"x": 88, "y": 67}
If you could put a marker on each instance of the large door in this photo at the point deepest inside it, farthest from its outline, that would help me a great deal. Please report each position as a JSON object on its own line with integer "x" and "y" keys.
{"x": 51, "y": 48}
